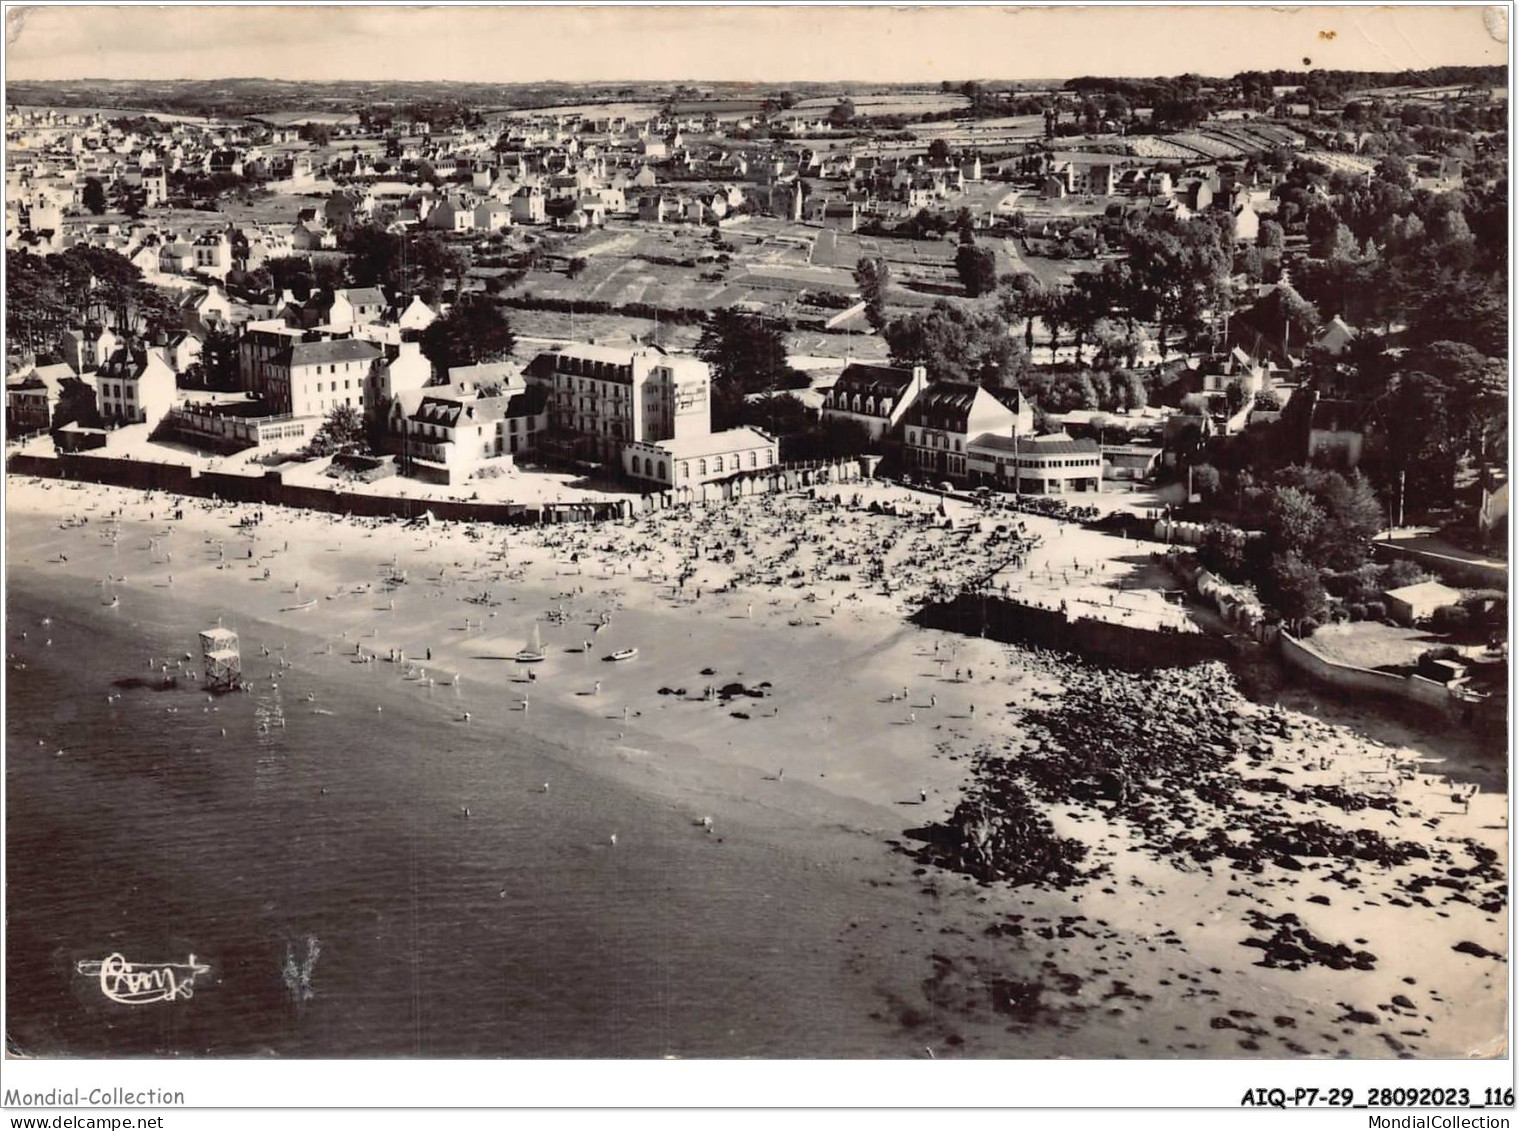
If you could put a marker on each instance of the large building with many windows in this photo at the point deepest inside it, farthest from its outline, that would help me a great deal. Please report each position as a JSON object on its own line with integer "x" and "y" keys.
{"x": 1036, "y": 465}
{"x": 874, "y": 396}
{"x": 602, "y": 397}
{"x": 947, "y": 415}
{"x": 313, "y": 378}
{"x": 645, "y": 411}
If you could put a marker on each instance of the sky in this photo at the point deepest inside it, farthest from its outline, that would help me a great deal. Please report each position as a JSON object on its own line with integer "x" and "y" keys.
{"x": 748, "y": 43}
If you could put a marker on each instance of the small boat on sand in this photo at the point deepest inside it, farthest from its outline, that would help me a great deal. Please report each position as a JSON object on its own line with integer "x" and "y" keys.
{"x": 623, "y": 654}
{"x": 311, "y": 604}
{"x": 533, "y": 653}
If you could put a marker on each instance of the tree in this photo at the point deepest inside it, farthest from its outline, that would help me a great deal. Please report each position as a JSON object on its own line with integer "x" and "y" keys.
{"x": 977, "y": 268}
{"x": 1206, "y": 480}
{"x": 342, "y": 430}
{"x": 939, "y": 153}
{"x": 1323, "y": 227}
{"x": 1293, "y": 522}
{"x": 219, "y": 360}
{"x": 377, "y": 422}
{"x": 1179, "y": 272}
{"x": 1468, "y": 308}
{"x": 1022, "y": 297}
{"x": 1223, "y": 549}
{"x": 1236, "y": 394}
{"x": 1476, "y": 397}
{"x": 1250, "y": 263}
{"x": 77, "y": 403}
{"x": 1270, "y": 235}
{"x": 1395, "y": 171}
{"x": 94, "y": 195}
{"x": 747, "y": 353}
{"x": 959, "y": 343}
{"x": 37, "y": 308}
{"x": 473, "y": 332}
{"x": 873, "y": 277}
{"x": 576, "y": 266}
{"x": 842, "y": 113}
{"x": 291, "y": 273}
{"x": 1349, "y": 515}
{"x": 1293, "y": 587}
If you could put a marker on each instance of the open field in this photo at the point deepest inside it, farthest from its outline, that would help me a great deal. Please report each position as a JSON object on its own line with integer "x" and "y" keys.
{"x": 590, "y": 110}
{"x": 673, "y": 265}
{"x": 889, "y": 104}
{"x": 1051, "y": 273}
{"x": 605, "y": 329}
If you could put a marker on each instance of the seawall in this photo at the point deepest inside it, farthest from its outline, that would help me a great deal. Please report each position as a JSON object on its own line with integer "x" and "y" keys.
{"x": 1104, "y": 642}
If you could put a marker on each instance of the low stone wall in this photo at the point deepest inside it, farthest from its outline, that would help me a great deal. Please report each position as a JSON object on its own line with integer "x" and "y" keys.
{"x": 1303, "y": 656}
{"x": 270, "y": 489}
{"x": 1118, "y": 645}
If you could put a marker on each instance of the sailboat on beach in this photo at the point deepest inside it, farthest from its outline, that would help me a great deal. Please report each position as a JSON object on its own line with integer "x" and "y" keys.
{"x": 533, "y": 653}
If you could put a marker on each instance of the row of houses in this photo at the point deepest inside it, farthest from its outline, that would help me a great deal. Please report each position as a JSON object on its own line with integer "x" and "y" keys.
{"x": 961, "y": 432}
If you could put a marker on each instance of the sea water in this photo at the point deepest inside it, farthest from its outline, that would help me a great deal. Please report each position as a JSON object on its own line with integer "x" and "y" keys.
{"x": 316, "y": 859}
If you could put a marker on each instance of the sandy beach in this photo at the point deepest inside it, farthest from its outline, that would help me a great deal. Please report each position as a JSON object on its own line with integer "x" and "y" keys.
{"x": 781, "y": 711}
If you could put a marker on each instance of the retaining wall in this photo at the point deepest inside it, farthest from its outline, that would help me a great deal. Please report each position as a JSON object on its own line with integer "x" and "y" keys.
{"x": 270, "y": 489}
{"x": 1303, "y": 656}
{"x": 1118, "y": 645}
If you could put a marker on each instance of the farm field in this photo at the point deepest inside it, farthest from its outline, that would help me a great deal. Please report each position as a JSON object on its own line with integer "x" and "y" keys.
{"x": 635, "y": 110}
{"x": 1342, "y": 162}
{"x": 889, "y": 104}
{"x": 535, "y": 328}
{"x": 1051, "y": 273}
{"x": 276, "y": 208}
{"x": 676, "y": 266}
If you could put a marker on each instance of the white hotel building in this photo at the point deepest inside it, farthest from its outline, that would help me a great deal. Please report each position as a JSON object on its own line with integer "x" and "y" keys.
{"x": 645, "y": 410}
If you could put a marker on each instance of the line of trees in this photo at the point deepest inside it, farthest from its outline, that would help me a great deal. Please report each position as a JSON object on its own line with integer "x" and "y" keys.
{"x": 46, "y": 295}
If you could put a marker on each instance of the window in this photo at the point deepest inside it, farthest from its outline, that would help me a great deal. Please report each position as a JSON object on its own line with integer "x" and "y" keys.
{"x": 718, "y": 464}
{"x": 753, "y": 459}
{"x": 702, "y": 465}
{"x": 685, "y": 469}
{"x": 661, "y": 469}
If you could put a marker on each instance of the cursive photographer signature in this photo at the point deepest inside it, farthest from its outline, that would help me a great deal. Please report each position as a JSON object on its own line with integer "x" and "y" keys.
{"x": 142, "y": 983}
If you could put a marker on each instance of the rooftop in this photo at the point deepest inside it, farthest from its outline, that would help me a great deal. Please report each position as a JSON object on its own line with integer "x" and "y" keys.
{"x": 1035, "y": 445}
{"x": 1424, "y": 592}
{"x": 716, "y": 443}
{"x": 322, "y": 353}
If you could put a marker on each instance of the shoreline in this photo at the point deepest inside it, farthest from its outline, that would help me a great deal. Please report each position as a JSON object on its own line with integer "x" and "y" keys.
{"x": 853, "y": 762}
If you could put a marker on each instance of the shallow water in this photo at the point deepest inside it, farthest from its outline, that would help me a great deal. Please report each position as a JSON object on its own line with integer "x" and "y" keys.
{"x": 136, "y": 827}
